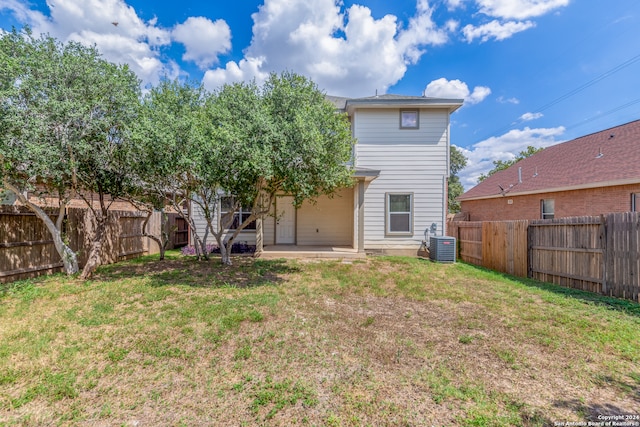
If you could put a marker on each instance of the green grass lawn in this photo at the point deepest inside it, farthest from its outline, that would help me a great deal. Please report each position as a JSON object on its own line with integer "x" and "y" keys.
{"x": 385, "y": 341}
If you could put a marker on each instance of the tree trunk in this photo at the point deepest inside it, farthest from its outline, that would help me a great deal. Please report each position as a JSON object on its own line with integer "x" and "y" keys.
{"x": 203, "y": 244}
{"x": 199, "y": 244}
{"x": 225, "y": 254}
{"x": 68, "y": 256}
{"x": 161, "y": 241}
{"x": 163, "y": 233}
{"x": 96, "y": 247}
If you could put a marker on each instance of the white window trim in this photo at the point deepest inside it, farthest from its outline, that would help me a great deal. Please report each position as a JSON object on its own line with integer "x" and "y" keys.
{"x": 543, "y": 214}
{"x": 387, "y": 215}
{"x": 239, "y": 213}
{"x": 635, "y": 202}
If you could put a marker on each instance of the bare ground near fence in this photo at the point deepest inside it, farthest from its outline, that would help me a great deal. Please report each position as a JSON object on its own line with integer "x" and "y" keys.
{"x": 27, "y": 248}
{"x": 599, "y": 254}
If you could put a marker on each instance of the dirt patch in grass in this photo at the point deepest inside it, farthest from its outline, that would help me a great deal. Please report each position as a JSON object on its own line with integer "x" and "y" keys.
{"x": 386, "y": 341}
{"x": 245, "y": 272}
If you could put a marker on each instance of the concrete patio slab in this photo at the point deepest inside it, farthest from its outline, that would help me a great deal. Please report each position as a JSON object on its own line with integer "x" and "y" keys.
{"x": 295, "y": 251}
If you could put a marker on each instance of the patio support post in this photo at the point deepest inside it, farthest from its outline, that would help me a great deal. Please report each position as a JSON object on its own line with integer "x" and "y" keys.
{"x": 361, "y": 216}
{"x": 259, "y": 238}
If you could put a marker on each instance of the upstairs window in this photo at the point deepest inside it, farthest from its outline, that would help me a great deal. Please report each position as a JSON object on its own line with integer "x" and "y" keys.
{"x": 409, "y": 119}
{"x": 547, "y": 209}
{"x": 399, "y": 214}
{"x": 226, "y": 204}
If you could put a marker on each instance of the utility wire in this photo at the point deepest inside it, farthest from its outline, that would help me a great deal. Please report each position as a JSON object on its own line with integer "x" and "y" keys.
{"x": 572, "y": 92}
{"x": 606, "y": 113}
{"x": 569, "y": 94}
{"x": 589, "y": 83}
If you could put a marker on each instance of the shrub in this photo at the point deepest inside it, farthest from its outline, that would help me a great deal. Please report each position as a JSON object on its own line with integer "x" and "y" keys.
{"x": 237, "y": 248}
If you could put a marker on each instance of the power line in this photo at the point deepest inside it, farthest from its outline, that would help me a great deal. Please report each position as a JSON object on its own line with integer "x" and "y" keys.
{"x": 591, "y": 33}
{"x": 589, "y": 83}
{"x": 572, "y": 92}
{"x": 606, "y": 113}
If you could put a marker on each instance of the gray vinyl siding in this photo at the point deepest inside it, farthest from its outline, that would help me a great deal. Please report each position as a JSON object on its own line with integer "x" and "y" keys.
{"x": 410, "y": 161}
{"x": 201, "y": 223}
{"x": 248, "y": 236}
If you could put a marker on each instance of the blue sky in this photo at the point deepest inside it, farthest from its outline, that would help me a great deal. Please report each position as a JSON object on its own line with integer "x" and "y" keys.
{"x": 532, "y": 72}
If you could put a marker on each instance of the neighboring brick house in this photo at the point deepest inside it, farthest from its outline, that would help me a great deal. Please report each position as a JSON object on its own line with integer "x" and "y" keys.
{"x": 8, "y": 198}
{"x": 591, "y": 175}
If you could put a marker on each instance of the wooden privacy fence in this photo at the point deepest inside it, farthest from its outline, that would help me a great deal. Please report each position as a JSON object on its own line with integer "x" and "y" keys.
{"x": 622, "y": 255}
{"x": 27, "y": 249}
{"x": 596, "y": 254}
{"x": 500, "y": 246}
{"x": 568, "y": 252}
{"x": 469, "y": 237}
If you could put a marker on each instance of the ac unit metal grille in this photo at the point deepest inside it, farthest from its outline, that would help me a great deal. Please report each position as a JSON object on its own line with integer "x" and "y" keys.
{"x": 442, "y": 249}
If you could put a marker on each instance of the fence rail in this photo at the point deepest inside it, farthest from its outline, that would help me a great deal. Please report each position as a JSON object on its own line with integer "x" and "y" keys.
{"x": 596, "y": 254}
{"x": 27, "y": 248}
{"x": 568, "y": 252}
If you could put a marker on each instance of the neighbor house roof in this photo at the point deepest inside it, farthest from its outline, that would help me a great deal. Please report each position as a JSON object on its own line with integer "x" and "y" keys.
{"x": 388, "y": 100}
{"x": 601, "y": 159}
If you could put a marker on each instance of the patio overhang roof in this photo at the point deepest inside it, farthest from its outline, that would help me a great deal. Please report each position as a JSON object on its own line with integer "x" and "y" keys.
{"x": 366, "y": 175}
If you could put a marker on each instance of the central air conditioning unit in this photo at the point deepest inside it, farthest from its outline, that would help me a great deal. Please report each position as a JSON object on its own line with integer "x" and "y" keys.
{"x": 442, "y": 249}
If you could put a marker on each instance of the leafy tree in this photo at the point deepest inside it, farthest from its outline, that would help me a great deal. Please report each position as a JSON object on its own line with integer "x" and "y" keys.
{"x": 281, "y": 138}
{"x": 107, "y": 110}
{"x": 169, "y": 155}
{"x": 457, "y": 162}
{"x": 65, "y": 130}
{"x": 32, "y": 156}
{"x": 499, "y": 165}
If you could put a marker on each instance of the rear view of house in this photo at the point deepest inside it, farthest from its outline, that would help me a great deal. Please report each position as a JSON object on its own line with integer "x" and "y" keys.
{"x": 401, "y": 163}
{"x": 591, "y": 175}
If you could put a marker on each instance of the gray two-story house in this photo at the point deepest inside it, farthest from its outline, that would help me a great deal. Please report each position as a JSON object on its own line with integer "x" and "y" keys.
{"x": 401, "y": 163}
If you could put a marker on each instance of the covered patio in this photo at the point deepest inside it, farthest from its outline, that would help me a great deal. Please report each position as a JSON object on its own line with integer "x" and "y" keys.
{"x": 311, "y": 251}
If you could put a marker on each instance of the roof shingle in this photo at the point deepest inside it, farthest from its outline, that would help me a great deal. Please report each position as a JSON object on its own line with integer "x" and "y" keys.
{"x": 608, "y": 157}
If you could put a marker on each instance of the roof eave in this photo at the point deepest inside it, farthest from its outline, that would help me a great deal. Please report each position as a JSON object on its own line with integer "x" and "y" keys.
{"x": 610, "y": 183}
{"x": 365, "y": 174}
{"x": 431, "y": 103}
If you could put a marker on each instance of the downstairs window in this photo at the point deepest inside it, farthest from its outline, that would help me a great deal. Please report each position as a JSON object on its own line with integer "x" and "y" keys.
{"x": 399, "y": 213}
{"x": 226, "y": 204}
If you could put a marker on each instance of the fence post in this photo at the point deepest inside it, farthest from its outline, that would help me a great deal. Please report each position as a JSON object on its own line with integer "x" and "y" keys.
{"x": 529, "y": 251}
{"x": 605, "y": 253}
{"x": 458, "y": 244}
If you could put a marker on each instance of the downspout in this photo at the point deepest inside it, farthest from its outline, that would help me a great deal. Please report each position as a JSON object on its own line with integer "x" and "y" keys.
{"x": 361, "y": 216}
{"x": 445, "y": 178}
{"x": 445, "y": 205}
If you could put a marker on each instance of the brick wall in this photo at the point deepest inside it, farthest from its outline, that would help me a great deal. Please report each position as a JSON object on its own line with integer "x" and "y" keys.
{"x": 592, "y": 201}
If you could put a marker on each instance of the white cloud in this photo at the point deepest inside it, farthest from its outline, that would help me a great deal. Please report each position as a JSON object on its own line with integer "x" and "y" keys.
{"x": 203, "y": 40}
{"x": 452, "y": 25}
{"x": 510, "y": 17}
{"x": 503, "y": 100}
{"x": 131, "y": 41}
{"x": 480, "y": 156}
{"x": 495, "y": 29}
{"x": 527, "y": 117}
{"x": 421, "y": 31}
{"x": 443, "y": 88}
{"x": 519, "y": 9}
{"x": 23, "y": 14}
{"x": 454, "y": 4}
{"x": 247, "y": 69}
{"x": 346, "y": 52}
